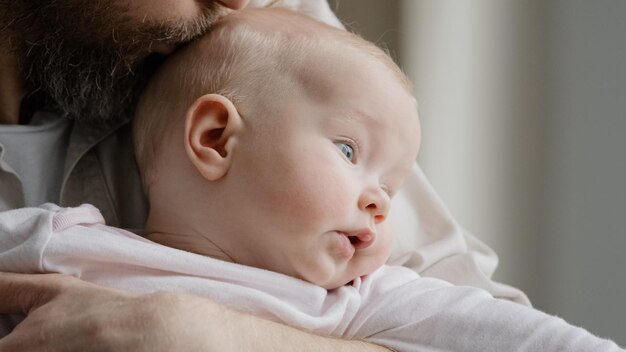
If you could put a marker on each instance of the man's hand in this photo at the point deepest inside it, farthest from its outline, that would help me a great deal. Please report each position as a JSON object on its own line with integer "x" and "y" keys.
{"x": 66, "y": 314}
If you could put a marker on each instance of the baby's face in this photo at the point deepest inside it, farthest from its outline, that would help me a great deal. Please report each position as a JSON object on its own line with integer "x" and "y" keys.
{"x": 316, "y": 180}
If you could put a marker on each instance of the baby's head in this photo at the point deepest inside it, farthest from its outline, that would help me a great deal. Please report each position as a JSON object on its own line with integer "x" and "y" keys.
{"x": 277, "y": 142}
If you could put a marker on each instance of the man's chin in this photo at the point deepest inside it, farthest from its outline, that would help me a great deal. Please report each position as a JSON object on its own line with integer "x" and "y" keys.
{"x": 92, "y": 66}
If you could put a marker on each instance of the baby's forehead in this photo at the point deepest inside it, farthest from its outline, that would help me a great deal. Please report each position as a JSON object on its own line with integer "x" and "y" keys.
{"x": 339, "y": 72}
{"x": 355, "y": 81}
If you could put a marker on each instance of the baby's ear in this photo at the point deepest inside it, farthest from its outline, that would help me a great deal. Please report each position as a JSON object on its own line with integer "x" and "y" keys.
{"x": 211, "y": 127}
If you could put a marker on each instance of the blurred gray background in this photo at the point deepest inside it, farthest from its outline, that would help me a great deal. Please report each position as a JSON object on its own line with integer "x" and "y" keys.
{"x": 523, "y": 108}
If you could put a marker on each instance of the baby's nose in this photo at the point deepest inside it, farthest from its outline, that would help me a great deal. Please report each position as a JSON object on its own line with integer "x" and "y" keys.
{"x": 376, "y": 202}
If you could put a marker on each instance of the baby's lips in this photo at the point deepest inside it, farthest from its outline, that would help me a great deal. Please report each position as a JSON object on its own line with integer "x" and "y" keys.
{"x": 361, "y": 239}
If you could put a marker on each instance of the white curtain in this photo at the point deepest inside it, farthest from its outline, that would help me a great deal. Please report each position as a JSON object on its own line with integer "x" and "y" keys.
{"x": 523, "y": 107}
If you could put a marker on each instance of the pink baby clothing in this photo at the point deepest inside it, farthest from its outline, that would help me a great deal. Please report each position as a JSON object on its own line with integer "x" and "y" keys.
{"x": 393, "y": 306}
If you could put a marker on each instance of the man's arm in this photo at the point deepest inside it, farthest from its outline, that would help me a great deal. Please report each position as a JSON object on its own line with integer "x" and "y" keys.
{"x": 64, "y": 313}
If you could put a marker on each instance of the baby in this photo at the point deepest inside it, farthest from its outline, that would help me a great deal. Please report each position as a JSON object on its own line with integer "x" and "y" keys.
{"x": 290, "y": 153}
{"x": 270, "y": 150}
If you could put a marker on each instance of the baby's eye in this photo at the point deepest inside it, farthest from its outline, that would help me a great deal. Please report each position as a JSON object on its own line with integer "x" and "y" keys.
{"x": 346, "y": 149}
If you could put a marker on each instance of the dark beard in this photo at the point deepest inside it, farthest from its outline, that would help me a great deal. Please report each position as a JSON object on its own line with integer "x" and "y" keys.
{"x": 87, "y": 59}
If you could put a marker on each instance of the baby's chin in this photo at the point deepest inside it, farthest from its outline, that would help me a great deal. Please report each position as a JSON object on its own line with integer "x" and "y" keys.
{"x": 332, "y": 282}
{"x": 337, "y": 275}
{"x": 336, "y": 284}
{"x": 360, "y": 268}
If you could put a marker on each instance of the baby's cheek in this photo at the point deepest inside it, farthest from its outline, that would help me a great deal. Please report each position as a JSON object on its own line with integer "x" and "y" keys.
{"x": 386, "y": 232}
{"x": 384, "y": 243}
{"x": 318, "y": 210}
{"x": 318, "y": 198}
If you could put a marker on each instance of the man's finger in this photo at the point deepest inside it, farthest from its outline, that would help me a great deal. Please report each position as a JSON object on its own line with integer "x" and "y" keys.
{"x": 15, "y": 342}
{"x": 21, "y": 293}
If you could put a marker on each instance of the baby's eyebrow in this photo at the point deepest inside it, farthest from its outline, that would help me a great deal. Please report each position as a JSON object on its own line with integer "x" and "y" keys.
{"x": 363, "y": 117}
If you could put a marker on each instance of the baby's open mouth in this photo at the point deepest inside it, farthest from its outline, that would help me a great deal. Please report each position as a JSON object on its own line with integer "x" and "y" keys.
{"x": 360, "y": 239}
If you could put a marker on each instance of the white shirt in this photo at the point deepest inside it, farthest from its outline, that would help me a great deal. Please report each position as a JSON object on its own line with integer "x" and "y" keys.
{"x": 36, "y": 155}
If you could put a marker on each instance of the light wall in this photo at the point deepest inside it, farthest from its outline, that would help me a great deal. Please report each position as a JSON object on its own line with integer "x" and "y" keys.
{"x": 477, "y": 68}
{"x": 523, "y": 106}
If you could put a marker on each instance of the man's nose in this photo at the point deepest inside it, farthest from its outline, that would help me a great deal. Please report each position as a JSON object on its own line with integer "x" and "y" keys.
{"x": 375, "y": 201}
{"x": 234, "y": 4}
